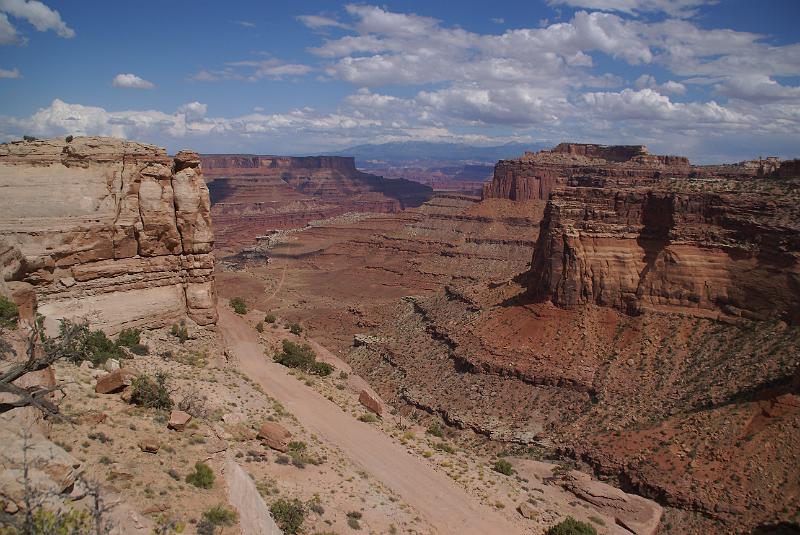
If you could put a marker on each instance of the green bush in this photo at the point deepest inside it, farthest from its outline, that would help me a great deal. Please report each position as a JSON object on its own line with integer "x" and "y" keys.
{"x": 288, "y": 514}
{"x": 270, "y": 318}
{"x": 368, "y": 417}
{"x": 43, "y": 522}
{"x": 140, "y": 349}
{"x": 202, "y": 477}
{"x": 9, "y": 313}
{"x": 129, "y": 338}
{"x": 216, "y": 516}
{"x": 295, "y": 328}
{"x": 435, "y": 430}
{"x": 296, "y": 355}
{"x": 502, "y": 466}
{"x": 321, "y": 368}
{"x": 98, "y": 348}
{"x": 238, "y": 305}
{"x": 570, "y": 526}
{"x": 149, "y": 393}
{"x": 69, "y": 139}
{"x": 180, "y": 332}
{"x": 260, "y": 326}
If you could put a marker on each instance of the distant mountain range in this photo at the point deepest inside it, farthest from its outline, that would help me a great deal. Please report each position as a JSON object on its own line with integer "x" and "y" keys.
{"x": 423, "y": 151}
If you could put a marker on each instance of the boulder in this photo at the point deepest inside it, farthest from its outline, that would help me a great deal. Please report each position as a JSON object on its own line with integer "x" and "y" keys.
{"x": 114, "y": 381}
{"x": 178, "y": 420}
{"x": 216, "y": 445}
{"x": 527, "y": 510}
{"x": 127, "y": 394}
{"x": 275, "y": 436}
{"x": 370, "y": 402}
{"x": 92, "y": 418}
{"x": 111, "y": 365}
{"x": 638, "y": 515}
{"x": 149, "y": 445}
{"x": 51, "y": 470}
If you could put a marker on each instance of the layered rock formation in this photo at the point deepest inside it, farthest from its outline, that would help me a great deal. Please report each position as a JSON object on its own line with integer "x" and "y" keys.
{"x": 109, "y": 230}
{"x": 709, "y": 253}
{"x": 536, "y": 175}
{"x": 254, "y": 194}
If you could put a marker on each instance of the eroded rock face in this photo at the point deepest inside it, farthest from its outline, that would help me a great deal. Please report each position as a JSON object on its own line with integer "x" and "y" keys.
{"x": 110, "y": 230}
{"x": 252, "y": 194}
{"x": 731, "y": 254}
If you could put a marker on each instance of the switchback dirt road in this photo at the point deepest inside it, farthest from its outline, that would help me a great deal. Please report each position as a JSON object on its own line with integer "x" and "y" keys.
{"x": 437, "y": 499}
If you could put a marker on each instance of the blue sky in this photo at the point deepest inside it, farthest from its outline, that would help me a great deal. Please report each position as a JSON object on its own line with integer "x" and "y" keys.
{"x": 714, "y": 80}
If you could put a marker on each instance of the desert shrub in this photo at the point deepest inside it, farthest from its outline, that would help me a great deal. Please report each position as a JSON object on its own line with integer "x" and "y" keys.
{"x": 202, "y": 477}
{"x": 43, "y": 522}
{"x": 216, "y": 516}
{"x": 270, "y": 318}
{"x": 28, "y": 138}
{"x": 368, "y": 417}
{"x": 98, "y": 348}
{"x": 238, "y": 305}
{"x": 180, "y": 332}
{"x": 288, "y": 514}
{"x": 69, "y": 139}
{"x": 296, "y": 355}
{"x": 260, "y": 326}
{"x": 322, "y": 369}
{"x": 570, "y": 526}
{"x": 195, "y": 404}
{"x": 503, "y": 467}
{"x": 435, "y": 430}
{"x": 140, "y": 349}
{"x": 295, "y": 328}
{"x": 353, "y": 518}
{"x": 151, "y": 394}
{"x": 129, "y": 337}
{"x": 9, "y": 313}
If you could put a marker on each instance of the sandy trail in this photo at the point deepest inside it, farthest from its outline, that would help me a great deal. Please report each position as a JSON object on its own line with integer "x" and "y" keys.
{"x": 439, "y": 501}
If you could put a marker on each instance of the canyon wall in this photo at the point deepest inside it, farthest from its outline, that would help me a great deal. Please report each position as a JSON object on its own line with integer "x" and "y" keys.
{"x": 253, "y": 194}
{"x": 535, "y": 175}
{"x": 109, "y": 230}
{"x": 707, "y": 253}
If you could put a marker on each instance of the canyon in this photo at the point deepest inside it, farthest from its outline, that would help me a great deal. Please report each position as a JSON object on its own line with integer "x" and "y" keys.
{"x": 252, "y": 192}
{"x": 596, "y": 310}
{"x": 631, "y": 311}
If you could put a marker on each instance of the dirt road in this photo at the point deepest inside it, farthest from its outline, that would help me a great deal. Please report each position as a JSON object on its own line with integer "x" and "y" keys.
{"x": 437, "y": 499}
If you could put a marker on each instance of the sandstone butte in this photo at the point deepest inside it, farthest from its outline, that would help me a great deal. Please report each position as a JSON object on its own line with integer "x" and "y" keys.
{"x": 109, "y": 230}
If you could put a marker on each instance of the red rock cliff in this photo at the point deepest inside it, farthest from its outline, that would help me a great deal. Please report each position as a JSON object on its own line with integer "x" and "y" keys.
{"x": 707, "y": 253}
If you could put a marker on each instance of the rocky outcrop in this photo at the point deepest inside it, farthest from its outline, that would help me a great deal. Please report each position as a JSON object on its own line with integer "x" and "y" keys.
{"x": 709, "y": 253}
{"x": 109, "y": 230}
{"x": 536, "y": 175}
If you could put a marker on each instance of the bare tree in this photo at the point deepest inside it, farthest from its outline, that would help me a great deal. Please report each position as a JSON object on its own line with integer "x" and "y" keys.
{"x": 41, "y": 352}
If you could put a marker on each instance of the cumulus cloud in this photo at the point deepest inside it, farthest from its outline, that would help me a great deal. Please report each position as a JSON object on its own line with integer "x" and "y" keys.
{"x": 13, "y": 73}
{"x": 758, "y": 88}
{"x": 35, "y": 13}
{"x": 131, "y": 81}
{"x": 193, "y": 111}
{"x": 670, "y": 86}
{"x": 673, "y": 8}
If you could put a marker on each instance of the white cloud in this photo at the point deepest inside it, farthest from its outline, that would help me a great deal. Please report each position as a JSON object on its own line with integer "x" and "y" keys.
{"x": 318, "y": 21}
{"x": 673, "y": 8}
{"x": 8, "y": 34}
{"x": 34, "y": 12}
{"x": 245, "y": 23}
{"x": 499, "y": 20}
{"x": 758, "y": 88}
{"x": 253, "y": 70}
{"x": 193, "y": 111}
{"x": 131, "y": 81}
{"x": 13, "y": 73}
{"x": 668, "y": 87}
